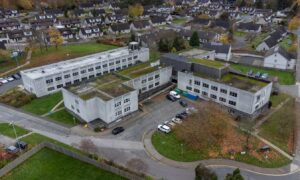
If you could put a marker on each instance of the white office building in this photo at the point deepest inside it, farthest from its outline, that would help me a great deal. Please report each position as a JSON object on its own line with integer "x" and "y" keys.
{"x": 51, "y": 78}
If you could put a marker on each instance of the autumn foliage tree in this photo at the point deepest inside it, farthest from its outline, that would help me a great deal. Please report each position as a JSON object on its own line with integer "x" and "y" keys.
{"x": 25, "y": 4}
{"x": 135, "y": 10}
{"x": 207, "y": 126}
{"x": 55, "y": 37}
{"x": 294, "y": 23}
{"x": 224, "y": 39}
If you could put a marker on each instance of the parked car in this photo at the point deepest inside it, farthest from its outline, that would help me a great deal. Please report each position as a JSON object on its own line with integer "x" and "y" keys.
{"x": 183, "y": 103}
{"x": 169, "y": 123}
{"x": 21, "y": 145}
{"x": 265, "y": 148}
{"x": 171, "y": 98}
{"x": 16, "y": 76}
{"x": 3, "y": 81}
{"x": 12, "y": 150}
{"x": 264, "y": 76}
{"x": 117, "y": 130}
{"x": 257, "y": 75}
{"x": 163, "y": 128}
{"x": 180, "y": 116}
{"x": 9, "y": 79}
{"x": 174, "y": 94}
{"x": 176, "y": 120}
{"x": 250, "y": 73}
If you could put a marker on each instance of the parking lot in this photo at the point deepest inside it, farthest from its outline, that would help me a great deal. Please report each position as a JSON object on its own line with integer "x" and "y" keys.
{"x": 9, "y": 85}
{"x": 156, "y": 111}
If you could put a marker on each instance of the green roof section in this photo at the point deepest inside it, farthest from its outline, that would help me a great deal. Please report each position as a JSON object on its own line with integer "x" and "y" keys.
{"x": 209, "y": 63}
{"x": 243, "y": 82}
{"x": 105, "y": 87}
{"x": 138, "y": 70}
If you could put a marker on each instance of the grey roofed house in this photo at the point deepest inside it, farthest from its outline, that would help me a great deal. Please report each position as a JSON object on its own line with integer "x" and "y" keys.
{"x": 217, "y": 47}
{"x": 199, "y": 21}
{"x": 158, "y": 19}
{"x": 249, "y": 26}
{"x": 221, "y": 23}
{"x": 98, "y": 12}
{"x": 204, "y": 36}
{"x": 141, "y": 24}
{"x": 271, "y": 41}
{"x": 281, "y": 51}
{"x": 120, "y": 27}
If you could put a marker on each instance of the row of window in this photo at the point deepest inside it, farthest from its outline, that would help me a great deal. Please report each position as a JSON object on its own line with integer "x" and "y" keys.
{"x": 117, "y": 104}
{"x": 150, "y": 86}
{"x": 150, "y": 78}
{"x": 215, "y": 88}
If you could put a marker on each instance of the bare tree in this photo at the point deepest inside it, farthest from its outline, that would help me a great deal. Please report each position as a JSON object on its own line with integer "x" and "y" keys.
{"x": 137, "y": 165}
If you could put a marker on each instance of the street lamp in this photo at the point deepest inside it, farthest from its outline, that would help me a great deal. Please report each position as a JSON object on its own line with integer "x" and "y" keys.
{"x": 13, "y": 125}
{"x": 181, "y": 149}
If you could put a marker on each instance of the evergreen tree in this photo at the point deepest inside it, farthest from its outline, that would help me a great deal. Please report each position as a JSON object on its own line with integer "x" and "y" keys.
{"x": 203, "y": 173}
{"x": 194, "y": 41}
{"x": 236, "y": 175}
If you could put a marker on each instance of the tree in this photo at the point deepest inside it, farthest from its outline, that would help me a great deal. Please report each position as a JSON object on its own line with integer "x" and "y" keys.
{"x": 194, "y": 41}
{"x": 135, "y": 10}
{"x": 294, "y": 23}
{"x": 132, "y": 37}
{"x": 24, "y": 4}
{"x": 55, "y": 37}
{"x": 236, "y": 175}
{"x": 203, "y": 173}
{"x": 5, "y": 4}
{"x": 164, "y": 45}
{"x": 224, "y": 16}
{"x": 259, "y": 4}
{"x": 224, "y": 39}
{"x": 179, "y": 43}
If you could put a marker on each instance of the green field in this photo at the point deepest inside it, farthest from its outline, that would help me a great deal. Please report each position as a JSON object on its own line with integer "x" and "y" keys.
{"x": 278, "y": 129}
{"x": 258, "y": 39}
{"x": 49, "y": 164}
{"x": 7, "y": 130}
{"x": 210, "y": 63}
{"x": 179, "y": 20}
{"x": 169, "y": 146}
{"x": 285, "y": 78}
{"x": 276, "y": 100}
{"x": 40, "y": 106}
{"x": 65, "y": 117}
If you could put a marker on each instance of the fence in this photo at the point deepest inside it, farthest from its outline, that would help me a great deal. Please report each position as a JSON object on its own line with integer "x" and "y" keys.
{"x": 10, "y": 166}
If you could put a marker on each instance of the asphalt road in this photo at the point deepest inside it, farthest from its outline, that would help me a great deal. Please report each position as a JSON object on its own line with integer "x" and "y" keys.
{"x": 9, "y": 85}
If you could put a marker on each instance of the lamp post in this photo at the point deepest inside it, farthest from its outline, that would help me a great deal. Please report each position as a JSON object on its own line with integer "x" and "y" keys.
{"x": 13, "y": 125}
{"x": 181, "y": 149}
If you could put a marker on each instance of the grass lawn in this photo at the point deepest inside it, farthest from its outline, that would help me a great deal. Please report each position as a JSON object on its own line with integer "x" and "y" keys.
{"x": 258, "y": 39}
{"x": 49, "y": 164}
{"x": 44, "y": 104}
{"x": 179, "y": 20}
{"x": 210, "y": 63}
{"x": 240, "y": 33}
{"x": 169, "y": 146}
{"x": 7, "y": 130}
{"x": 276, "y": 100}
{"x": 278, "y": 129}
{"x": 286, "y": 42}
{"x": 6, "y": 61}
{"x": 154, "y": 55}
{"x": 285, "y": 78}
{"x": 65, "y": 117}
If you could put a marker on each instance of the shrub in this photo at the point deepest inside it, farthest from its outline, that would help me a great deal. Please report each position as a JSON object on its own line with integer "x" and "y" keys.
{"x": 16, "y": 98}
{"x": 203, "y": 173}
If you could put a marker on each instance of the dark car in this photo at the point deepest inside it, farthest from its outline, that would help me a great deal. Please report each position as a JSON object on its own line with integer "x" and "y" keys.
{"x": 12, "y": 150}
{"x": 16, "y": 76}
{"x": 183, "y": 103}
{"x": 21, "y": 145}
{"x": 171, "y": 98}
{"x": 180, "y": 116}
{"x": 117, "y": 130}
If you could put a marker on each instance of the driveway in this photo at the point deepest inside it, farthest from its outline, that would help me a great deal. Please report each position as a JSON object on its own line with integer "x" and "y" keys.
{"x": 9, "y": 85}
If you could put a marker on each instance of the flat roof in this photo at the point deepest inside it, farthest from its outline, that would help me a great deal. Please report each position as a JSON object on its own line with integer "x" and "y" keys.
{"x": 209, "y": 63}
{"x": 105, "y": 87}
{"x": 139, "y": 70}
{"x": 79, "y": 62}
{"x": 238, "y": 81}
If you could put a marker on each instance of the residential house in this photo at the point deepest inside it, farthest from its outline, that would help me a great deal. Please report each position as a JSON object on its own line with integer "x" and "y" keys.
{"x": 92, "y": 21}
{"x": 54, "y": 12}
{"x": 140, "y": 25}
{"x": 70, "y": 22}
{"x": 41, "y": 24}
{"x": 272, "y": 40}
{"x": 222, "y": 24}
{"x": 9, "y": 24}
{"x": 119, "y": 28}
{"x": 68, "y": 33}
{"x": 223, "y": 51}
{"x": 158, "y": 21}
{"x": 279, "y": 58}
{"x": 249, "y": 27}
{"x": 90, "y": 32}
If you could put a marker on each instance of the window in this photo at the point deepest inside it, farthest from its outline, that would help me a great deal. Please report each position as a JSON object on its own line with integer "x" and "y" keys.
{"x": 84, "y": 79}
{"x": 111, "y": 63}
{"x": 189, "y": 88}
{"x": 150, "y": 78}
{"x": 58, "y": 78}
{"x": 59, "y": 86}
{"x": 72, "y": 106}
{"x": 215, "y": 88}
{"x": 232, "y": 103}
{"x": 135, "y": 57}
{"x": 150, "y": 86}
{"x": 104, "y": 65}
{"x": 124, "y": 66}
{"x": 157, "y": 83}
{"x": 51, "y": 88}
{"x": 83, "y": 71}
{"x": 144, "y": 81}
{"x": 118, "y": 104}
{"x": 257, "y": 98}
{"x": 234, "y": 94}
{"x": 205, "y": 85}
{"x": 98, "y": 74}
{"x": 48, "y": 81}
{"x": 126, "y": 100}
{"x": 76, "y": 101}
{"x": 222, "y": 99}
{"x": 197, "y": 82}
{"x": 196, "y": 90}
{"x": 76, "y": 80}
{"x": 118, "y": 113}
{"x": 67, "y": 76}
{"x": 224, "y": 91}
{"x": 91, "y": 76}
{"x": 75, "y": 74}
{"x": 204, "y": 93}
{"x": 78, "y": 110}
{"x": 123, "y": 60}
{"x": 130, "y": 58}
{"x": 118, "y": 62}
{"x": 127, "y": 109}
{"x": 91, "y": 69}
{"x": 98, "y": 67}
{"x": 156, "y": 76}
{"x": 144, "y": 88}
{"x": 213, "y": 96}
{"x": 118, "y": 68}
{"x": 68, "y": 83}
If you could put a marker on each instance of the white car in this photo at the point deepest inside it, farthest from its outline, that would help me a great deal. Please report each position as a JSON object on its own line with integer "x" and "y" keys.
{"x": 176, "y": 120}
{"x": 175, "y": 94}
{"x": 3, "y": 81}
{"x": 9, "y": 79}
{"x": 164, "y": 128}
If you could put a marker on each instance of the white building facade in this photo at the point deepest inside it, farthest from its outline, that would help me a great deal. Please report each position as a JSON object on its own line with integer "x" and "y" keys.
{"x": 51, "y": 78}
